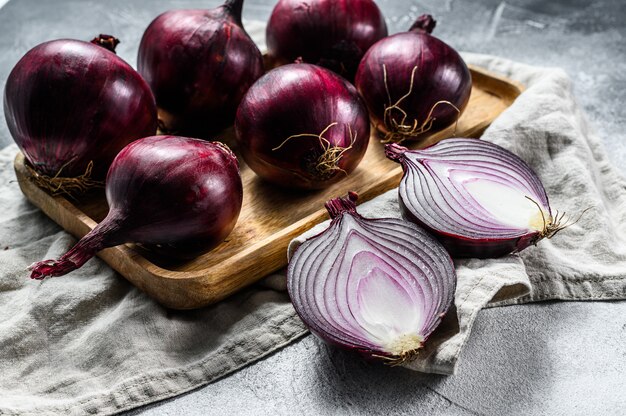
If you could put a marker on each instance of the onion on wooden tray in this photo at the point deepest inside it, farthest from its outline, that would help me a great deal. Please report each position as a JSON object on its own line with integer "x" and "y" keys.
{"x": 71, "y": 106}
{"x": 334, "y": 34}
{"x": 177, "y": 196}
{"x": 302, "y": 126}
{"x": 199, "y": 64}
{"x": 413, "y": 83}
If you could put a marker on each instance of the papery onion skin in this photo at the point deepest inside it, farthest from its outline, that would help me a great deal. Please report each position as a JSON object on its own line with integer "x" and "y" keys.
{"x": 68, "y": 103}
{"x": 199, "y": 64}
{"x": 340, "y": 279}
{"x": 332, "y": 33}
{"x": 180, "y": 195}
{"x": 441, "y": 76}
{"x": 476, "y": 157}
{"x": 305, "y": 101}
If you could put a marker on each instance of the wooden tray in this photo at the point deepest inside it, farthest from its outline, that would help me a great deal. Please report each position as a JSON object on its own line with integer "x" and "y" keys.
{"x": 269, "y": 219}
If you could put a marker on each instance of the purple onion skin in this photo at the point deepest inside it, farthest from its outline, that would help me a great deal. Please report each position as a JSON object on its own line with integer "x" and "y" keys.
{"x": 301, "y": 99}
{"x": 199, "y": 64}
{"x": 332, "y": 33}
{"x": 179, "y": 195}
{"x": 69, "y": 102}
{"x": 441, "y": 75}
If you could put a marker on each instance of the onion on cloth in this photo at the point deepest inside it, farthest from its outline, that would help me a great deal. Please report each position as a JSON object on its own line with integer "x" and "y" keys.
{"x": 379, "y": 286}
{"x": 479, "y": 199}
{"x": 71, "y": 106}
{"x": 199, "y": 64}
{"x": 179, "y": 195}
{"x": 302, "y": 126}
{"x": 413, "y": 83}
{"x": 332, "y": 33}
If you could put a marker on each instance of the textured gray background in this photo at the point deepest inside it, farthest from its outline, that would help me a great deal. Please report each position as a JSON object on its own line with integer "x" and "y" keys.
{"x": 551, "y": 358}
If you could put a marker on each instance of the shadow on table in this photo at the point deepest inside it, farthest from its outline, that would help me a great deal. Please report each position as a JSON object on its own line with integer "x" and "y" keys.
{"x": 496, "y": 374}
{"x": 344, "y": 380}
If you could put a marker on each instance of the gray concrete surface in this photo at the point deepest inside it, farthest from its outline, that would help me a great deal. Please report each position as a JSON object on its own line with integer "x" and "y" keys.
{"x": 551, "y": 358}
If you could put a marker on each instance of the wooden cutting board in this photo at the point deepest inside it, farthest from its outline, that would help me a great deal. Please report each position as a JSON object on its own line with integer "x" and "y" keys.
{"x": 270, "y": 216}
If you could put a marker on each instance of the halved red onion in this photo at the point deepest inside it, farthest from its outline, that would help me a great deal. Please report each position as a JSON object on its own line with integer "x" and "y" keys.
{"x": 376, "y": 286}
{"x": 479, "y": 199}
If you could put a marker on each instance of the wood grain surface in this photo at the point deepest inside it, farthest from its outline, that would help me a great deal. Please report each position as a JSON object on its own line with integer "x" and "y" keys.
{"x": 270, "y": 216}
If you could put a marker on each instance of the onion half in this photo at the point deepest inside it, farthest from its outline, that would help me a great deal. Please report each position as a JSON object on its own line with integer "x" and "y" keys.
{"x": 376, "y": 286}
{"x": 479, "y": 199}
{"x": 413, "y": 83}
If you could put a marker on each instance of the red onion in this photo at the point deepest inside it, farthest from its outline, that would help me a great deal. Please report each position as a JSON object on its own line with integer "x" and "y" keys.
{"x": 479, "y": 199}
{"x": 331, "y": 33}
{"x": 302, "y": 126}
{"x": 376, "y": 286}
{"x": 71, "y": 106}
{"x": 178, "y": 194}
{"x": 199, "y": 64}
{"x": 413, "y": 83}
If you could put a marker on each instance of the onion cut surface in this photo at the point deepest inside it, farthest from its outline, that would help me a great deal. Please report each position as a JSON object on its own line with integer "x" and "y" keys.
{"x": 376, "y": 286}
{"x": 478, "y": 198}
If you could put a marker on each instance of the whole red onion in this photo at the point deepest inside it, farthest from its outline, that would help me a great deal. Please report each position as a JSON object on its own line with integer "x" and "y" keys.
{"x": 413, "y": 83}
{"x": 179, "y": 195}
{"x": 302, "y": 126}
{"x": 331, "y": 33}
{"x": 69, "y": 104}
{"x": 199, "y": 64}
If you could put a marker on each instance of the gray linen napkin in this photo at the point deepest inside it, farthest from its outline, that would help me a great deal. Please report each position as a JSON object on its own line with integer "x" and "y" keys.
{"x": 90, "y": 342}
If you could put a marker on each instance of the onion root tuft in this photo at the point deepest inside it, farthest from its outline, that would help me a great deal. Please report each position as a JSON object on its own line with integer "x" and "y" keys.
{"x": 58, "y": 184}
{"x": 397, "y": 132}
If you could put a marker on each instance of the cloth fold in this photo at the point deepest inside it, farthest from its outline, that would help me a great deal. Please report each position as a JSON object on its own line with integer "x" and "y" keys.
{"x": 89, "y": 341}
{"x": 546, "y": 127}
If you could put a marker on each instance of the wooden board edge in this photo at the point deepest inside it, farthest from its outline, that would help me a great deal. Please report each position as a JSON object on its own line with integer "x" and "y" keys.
{"x": 497, "y": 84}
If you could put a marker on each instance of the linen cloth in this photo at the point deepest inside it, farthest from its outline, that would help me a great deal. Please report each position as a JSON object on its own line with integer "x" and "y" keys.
{"x": 90, "y": 342}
